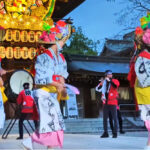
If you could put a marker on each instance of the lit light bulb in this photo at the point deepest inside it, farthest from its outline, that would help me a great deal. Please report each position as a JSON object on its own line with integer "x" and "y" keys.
{"x": 5, "y": 22}
{"x": 24, "y": 8}
{"x": 41, "y": 24}
{"x": 27, "y": 23}
{"x": 12, "y": 22}
{"x": 7, "y": 18}
{"x": 33, "y": 19}
{"x": 1, "y": 15}
{"x": 20, "y": 19}
{"x": 15, "y": 15}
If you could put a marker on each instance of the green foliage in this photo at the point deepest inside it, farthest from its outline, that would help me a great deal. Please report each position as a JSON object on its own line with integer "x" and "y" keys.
{"x": 80, "y": 44}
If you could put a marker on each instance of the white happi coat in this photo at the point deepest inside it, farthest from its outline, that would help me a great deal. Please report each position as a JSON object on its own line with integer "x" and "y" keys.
{"x": 48, "y": 106}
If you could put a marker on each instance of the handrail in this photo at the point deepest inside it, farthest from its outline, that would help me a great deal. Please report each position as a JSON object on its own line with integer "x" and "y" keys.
{"x": 126, "y": 105}
{"x": 129, "y": 110}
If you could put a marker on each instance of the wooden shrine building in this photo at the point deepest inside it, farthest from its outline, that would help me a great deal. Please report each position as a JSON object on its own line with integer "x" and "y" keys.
{"x": 85, "y": 72}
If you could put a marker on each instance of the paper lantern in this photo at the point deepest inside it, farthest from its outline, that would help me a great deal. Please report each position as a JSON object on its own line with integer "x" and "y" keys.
{"x": 24, "y": 53}
{"x": 17, "y": 52}
{"x": 32, "y": 53}
{"x": 38, "y": 34}
{"x": 9, "y": 35}
{"x": 16, "y": 35}
{"x": 9, "y": 52}
{"x": 24, "y": 36}
{"x": 2, "y": 52}
{"x": 2, "y": 34}
{"x": 31, "y": 36}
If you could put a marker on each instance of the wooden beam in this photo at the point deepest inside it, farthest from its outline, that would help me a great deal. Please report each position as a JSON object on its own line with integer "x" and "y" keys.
{"x": 65, "y": 1}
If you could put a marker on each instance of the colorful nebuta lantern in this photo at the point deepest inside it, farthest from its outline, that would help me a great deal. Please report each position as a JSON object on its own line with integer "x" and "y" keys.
{"x": 26, "y": 14}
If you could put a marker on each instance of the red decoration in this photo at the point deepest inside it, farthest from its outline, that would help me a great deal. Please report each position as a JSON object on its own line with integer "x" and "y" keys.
{"x": 145, "y": 54}
{"x": 138, "y": 31}
{"x": 54, "y": 30}
{"x": 52, "y": 37}
{"x": 14, "y": 4}
{"x": 61, "y": 23}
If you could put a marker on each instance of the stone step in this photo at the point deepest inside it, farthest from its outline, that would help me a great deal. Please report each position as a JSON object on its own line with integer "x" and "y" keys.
{"x": 82, "y": 126}
{"x": 96, "y": 125}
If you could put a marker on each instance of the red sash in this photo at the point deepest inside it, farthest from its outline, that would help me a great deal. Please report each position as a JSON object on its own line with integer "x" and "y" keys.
{"x": 56, "y": 78}
{"x": 145, "y": 54}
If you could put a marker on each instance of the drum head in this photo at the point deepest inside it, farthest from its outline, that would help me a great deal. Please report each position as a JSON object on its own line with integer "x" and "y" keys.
{"x": 17, "y": 80}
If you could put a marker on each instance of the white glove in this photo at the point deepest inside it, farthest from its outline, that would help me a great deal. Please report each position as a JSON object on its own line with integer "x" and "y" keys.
{"x": 107, "y": 79}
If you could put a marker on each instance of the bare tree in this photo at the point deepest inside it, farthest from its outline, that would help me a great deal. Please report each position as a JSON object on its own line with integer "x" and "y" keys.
{"x": 130, "y": 16}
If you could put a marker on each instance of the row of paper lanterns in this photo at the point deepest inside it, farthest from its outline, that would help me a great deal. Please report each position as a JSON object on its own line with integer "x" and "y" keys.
{"x": 17, "y": 52}
{"x": 22, "y": 36}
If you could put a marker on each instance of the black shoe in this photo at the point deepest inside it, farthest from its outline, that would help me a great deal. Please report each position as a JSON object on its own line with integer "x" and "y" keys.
{"x": 114, "y": 135}
{"x": 19, "y": 138}
{"x": 122, "y": 132}
{"x": 105, "y": 135}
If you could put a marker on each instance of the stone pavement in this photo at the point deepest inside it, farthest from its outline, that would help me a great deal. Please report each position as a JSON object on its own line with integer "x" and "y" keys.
{"x": 128, "y": 141}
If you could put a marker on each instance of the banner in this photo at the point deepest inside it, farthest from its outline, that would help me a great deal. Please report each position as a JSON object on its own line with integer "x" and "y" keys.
{"x": 72, "y": 109}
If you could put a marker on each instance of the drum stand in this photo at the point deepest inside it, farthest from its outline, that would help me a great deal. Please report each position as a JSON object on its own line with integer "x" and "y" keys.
{"x": 11, "y": 124}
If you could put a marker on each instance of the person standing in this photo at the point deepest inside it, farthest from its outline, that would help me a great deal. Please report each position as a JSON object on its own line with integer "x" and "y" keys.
{"x": 120, "y": 121}
{"x": 109, "y": 98}
{"x": 26, "y": 103}
{"x": 51, "y": 72}
{"x": 119, "y": 116}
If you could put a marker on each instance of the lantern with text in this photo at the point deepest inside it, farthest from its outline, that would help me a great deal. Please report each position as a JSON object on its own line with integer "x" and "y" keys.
{"x": 17, "y": 52}
{"x": 24, "y": 36}
{"x": 24, "y": 53}
{"x": 9, "y": 35}
{"x": 9, "y": 52}
{"x": 16, "y": 36}
{"x": 31, "y": 36}
{"x": 2, "y": 52}
{"x": 32, "y": 53}
{"x": 38, "y": 34}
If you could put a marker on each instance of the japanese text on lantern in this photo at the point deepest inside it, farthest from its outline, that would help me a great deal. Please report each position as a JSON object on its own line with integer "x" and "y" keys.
{"x": 22, "y": 36}
{"x": 18, "y": 52}
{"x": 2, "y": 52}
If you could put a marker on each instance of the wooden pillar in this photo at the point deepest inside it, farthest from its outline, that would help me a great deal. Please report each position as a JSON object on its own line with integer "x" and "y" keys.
{"x": 87, "y": 99}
